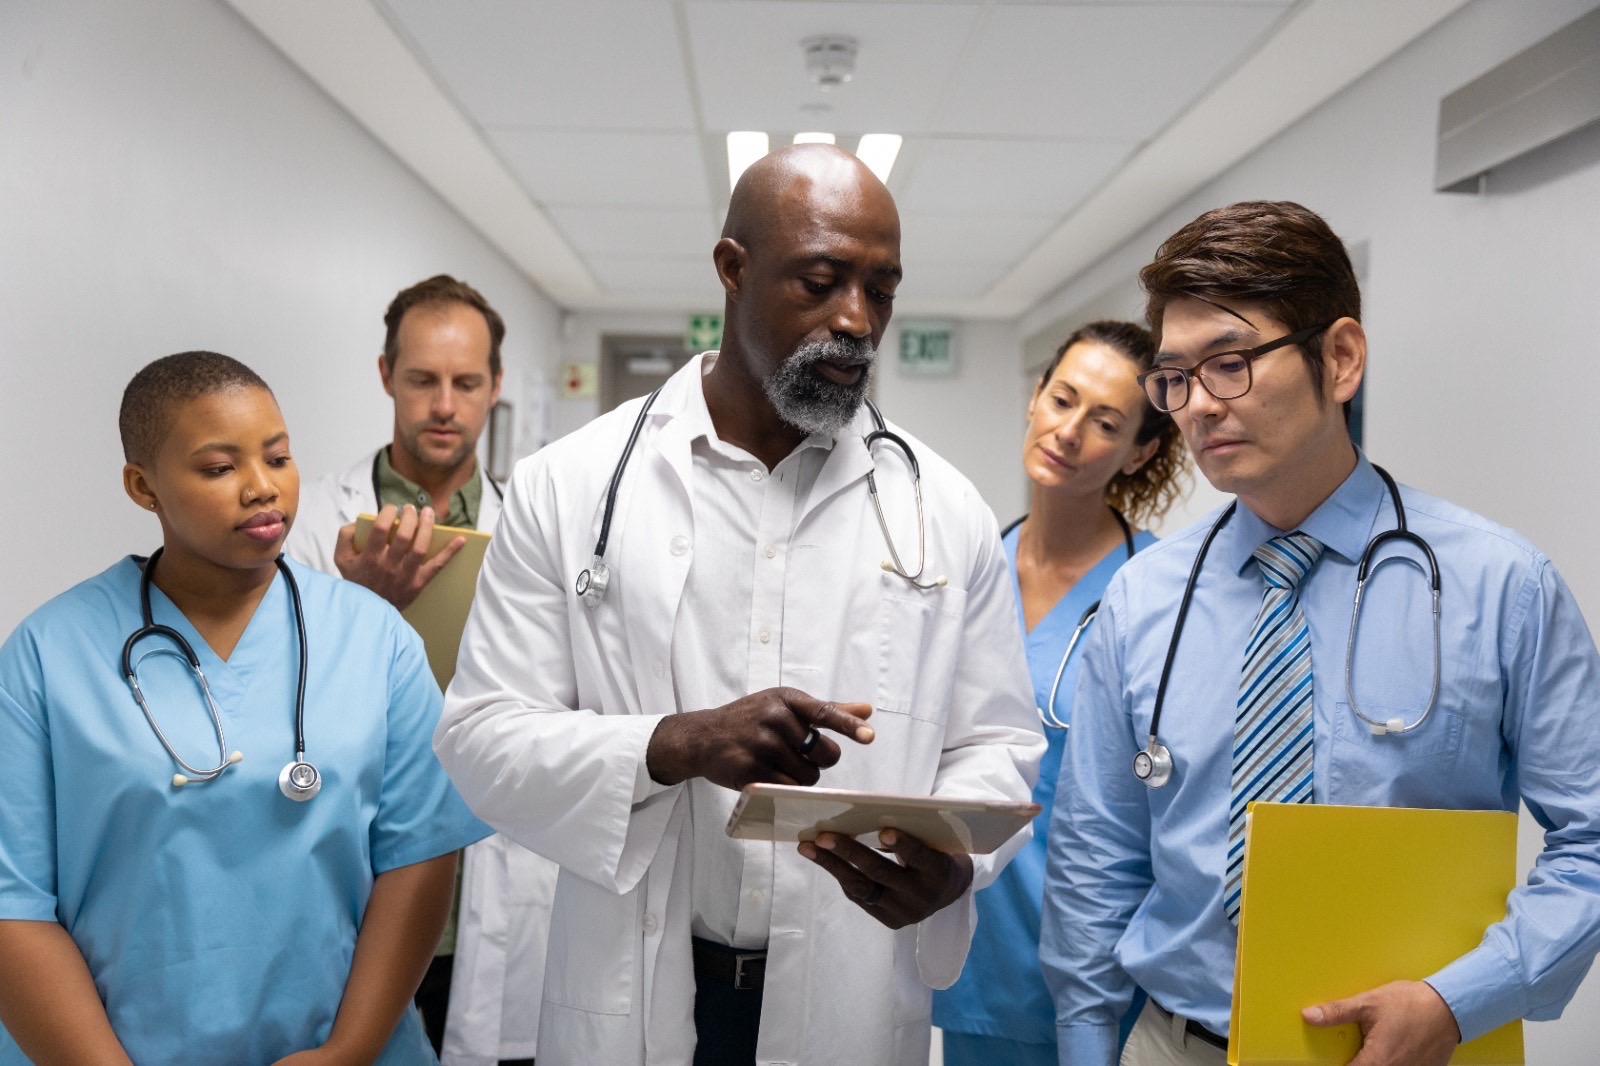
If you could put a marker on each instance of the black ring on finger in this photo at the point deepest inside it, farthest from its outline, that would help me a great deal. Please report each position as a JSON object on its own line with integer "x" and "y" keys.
{"x": 812, "y": 736}
{"x": 873, "y": 898}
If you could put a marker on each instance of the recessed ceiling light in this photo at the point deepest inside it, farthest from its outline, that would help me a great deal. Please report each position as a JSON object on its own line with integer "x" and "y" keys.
{"x": 744, "y": 148}
{"x": 813, "y": 138}
{"x": 878, "y": 151}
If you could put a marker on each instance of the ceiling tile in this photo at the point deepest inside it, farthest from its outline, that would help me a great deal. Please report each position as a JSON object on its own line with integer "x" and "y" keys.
{"x": 607, "y": 169}
{"x": 927, "y": 241}
{"x": 554, "y": 64}
{"x": 750, "y": 69}
{"x": 1117, "y": 71}
{"x": 973, "y": 175}
{"x": 609, "y": 231}
{"x": 690, "y": 276}
{"x": 948, "y": 279}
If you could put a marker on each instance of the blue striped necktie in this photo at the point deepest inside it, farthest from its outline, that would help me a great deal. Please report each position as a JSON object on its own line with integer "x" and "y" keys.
{"x": 1272, "y": 732}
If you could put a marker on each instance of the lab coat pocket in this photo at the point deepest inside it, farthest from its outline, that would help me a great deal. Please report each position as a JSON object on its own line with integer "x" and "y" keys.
{"x": 584, "y": 973}
{"x": 919, "y": 635}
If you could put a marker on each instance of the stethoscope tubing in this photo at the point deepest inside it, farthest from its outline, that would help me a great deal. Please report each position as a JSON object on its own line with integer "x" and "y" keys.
{"x": 149, "y": 628}
{"x": 1157, "y": 754}
{"x": 595, "y": 579}
{"x": 1047, "y": 713}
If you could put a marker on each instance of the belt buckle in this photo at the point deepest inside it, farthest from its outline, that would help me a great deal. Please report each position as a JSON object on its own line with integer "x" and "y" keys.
{"x": 749, "y": 978}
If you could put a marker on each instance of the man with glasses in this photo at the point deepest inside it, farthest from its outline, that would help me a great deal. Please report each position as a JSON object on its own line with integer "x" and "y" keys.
{"x": 1257, "y": 316}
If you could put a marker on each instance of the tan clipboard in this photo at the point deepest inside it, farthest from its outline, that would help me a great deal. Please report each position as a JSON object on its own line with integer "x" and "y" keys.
{"x": 439, "y": 613}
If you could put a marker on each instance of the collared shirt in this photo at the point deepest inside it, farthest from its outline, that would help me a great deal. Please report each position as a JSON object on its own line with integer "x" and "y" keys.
{"x": 394, "y": 487}
{"x": 728, "y": 641}
{"x": 1135, "y": 880}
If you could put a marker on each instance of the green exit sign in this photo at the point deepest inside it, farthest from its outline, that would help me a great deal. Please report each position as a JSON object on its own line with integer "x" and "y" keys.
{"x": 704, "y": 333}
{"x": 927, "y": 348}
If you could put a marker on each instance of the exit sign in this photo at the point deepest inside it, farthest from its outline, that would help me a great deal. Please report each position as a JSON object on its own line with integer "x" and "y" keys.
{"x": 703, "y": 333}
{"x": 927, "y": 348}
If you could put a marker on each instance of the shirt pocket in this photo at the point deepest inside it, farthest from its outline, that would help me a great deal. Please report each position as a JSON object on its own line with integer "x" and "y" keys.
{"x": 1361, "y": 760}
{"x": 919, "y": 645}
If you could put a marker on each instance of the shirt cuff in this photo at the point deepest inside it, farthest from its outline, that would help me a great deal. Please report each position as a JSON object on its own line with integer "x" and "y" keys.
{"x": 645, "y": 786}
{"x": 1483, "y": 990}
{"x": 1087, "y": 1045}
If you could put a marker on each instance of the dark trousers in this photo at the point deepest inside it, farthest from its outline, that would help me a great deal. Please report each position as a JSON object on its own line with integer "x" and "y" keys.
{"x": 727, "y": 1021}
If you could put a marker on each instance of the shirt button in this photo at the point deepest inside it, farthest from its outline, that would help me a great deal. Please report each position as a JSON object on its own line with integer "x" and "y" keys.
{"x": 772, "y": 553}
{"x": 755, "y": 895}
{"x": 756, "y": 475}
{"x": 423, "y": 499}
{"x": 765, "y": 635}
{"x": 658, "y": 668}
{"x": 680, "y": 545}
{"x": 649, "y": 924}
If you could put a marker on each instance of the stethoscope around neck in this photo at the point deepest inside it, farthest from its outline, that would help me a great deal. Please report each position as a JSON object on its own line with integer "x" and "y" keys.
{"x": 1047, "y": 713}
{"x": 595, "y": 579}
{"x": 1154, "y": 766}
{"x": 299, "y": 780}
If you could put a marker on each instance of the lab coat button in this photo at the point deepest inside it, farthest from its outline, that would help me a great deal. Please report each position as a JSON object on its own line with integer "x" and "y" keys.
{"x": 772, "y": 553}
{"x": 756, "y": 475}
{"x": 680, "y": 545}
{"x": 649, "y": 925}
{"x": 765, "y": 635}
{"x": 658, "y": 668}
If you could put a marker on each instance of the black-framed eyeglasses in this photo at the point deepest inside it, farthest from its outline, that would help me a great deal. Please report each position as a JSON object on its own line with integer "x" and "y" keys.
{"x": 1225, "y": 375}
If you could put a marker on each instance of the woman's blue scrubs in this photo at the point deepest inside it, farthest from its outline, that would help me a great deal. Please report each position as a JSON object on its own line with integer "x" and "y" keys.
{"x": 1000, "y": 1010}
{"x": 218, "y": 919}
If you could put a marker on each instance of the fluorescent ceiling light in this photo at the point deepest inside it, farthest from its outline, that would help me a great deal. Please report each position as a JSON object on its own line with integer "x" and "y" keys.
{"x": 877, "y": 151}
{"x": 813, "y": 138}
{"x": 744, "y": 148}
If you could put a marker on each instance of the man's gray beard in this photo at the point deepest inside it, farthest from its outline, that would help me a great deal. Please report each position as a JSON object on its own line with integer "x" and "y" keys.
{"x": 810, "y": 402}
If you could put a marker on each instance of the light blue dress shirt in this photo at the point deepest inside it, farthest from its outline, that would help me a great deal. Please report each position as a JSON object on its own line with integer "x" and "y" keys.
{"x": 219, "y": 919}
{"x": 1134, "y": 881}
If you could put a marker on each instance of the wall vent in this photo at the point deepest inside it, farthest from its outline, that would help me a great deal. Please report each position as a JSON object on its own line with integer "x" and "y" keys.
{"x": 1540, "y": 95}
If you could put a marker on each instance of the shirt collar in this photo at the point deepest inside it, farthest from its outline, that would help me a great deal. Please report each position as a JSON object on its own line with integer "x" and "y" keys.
{"x": 461, "y": 509}
{"x": 696, "y": 418}
{"x": 1343, "y": 522}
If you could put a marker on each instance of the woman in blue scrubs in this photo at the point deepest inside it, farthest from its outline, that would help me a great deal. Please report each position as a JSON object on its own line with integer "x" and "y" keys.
{"x": 1103, "y": 462}
{"x": 147, "y": 919}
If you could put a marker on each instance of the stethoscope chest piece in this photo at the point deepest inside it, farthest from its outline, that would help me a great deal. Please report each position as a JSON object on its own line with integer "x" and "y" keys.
{"x": 299, "y": 780}
{"x": 1153, "y": 765}
{"x": 593, "y": 582}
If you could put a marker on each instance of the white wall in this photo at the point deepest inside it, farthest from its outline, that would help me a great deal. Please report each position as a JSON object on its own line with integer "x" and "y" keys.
{"x": 1480, "y": 312}
{"x": 168, "y": 181}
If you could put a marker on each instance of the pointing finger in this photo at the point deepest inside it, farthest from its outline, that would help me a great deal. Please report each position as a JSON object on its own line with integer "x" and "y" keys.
{"x": 846, "y": 719}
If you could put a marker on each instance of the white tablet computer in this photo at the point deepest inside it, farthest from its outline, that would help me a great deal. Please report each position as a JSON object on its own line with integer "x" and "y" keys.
{"x": 957, "y": 826}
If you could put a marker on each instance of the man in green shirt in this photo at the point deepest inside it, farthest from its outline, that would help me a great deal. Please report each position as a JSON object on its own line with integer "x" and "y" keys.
{"x": 441, "y": 365}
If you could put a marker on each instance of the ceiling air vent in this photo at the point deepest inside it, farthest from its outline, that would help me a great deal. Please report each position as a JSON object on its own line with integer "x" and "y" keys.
{"x": 1539, "y": 95}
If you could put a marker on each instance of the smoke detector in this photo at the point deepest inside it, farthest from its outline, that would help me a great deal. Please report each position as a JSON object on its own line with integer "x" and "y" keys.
{"x": 830, "y": 59}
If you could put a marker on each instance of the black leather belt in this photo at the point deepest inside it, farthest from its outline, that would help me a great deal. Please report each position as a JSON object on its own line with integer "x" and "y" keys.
{"x": 1196, "y": 1030}
{"x": 718, "y": 962}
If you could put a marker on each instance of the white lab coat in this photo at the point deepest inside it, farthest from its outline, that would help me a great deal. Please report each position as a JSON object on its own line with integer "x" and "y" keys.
{"x": 506, "y": 890}
{"x": 553, "y": 703}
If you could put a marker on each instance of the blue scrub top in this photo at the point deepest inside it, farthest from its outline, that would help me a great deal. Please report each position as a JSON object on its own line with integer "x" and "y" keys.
{"x": 218, "y": 919}
{"x": 1001, "y": 991}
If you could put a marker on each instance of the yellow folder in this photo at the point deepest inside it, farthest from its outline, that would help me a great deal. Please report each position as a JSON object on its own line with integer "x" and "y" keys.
{"x": 439, "y": 613}
{"x": 1339, "y": 900}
